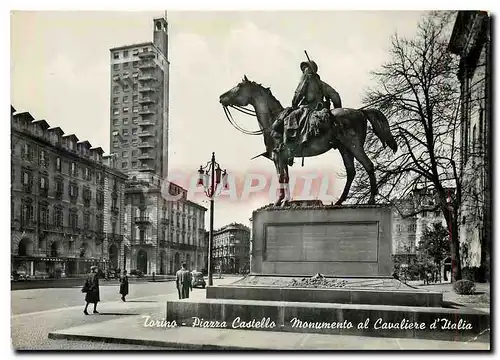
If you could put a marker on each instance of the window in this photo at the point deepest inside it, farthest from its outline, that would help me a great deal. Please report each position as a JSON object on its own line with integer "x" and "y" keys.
{"x": 42, "y": 158}
{"x": 116, "y": 67}
{"x": 27, "y": 213}
{"x": 124, "y": 165}
{"x": 43, "y": 214}
{"x": 116, "y": 89}
{"x": 125, "y": 144}
{"x": 58, "y": 216}
{"x": 135, "y": 120}
{"x": 134, "y": 142}
{"x": 73, "y": 170}
{"x": 58, "y": 164}
{"x": 73, "y": 219}
{"x": 116, "y": 122}
{"x": 125, "y": 121}
{"x": 43, "y": 183}
{"x": 86, "y": 220}
{"x": 125, "y": 53}
{"x": 134, "y": 131}
{"x": 424, "y": 213}
{"x": 115, "y": 100}
{"x": 134, "y": 164}
{"x": 125, "y": 99}
{"x": 116, "y": 55}
{"x": 73, "y": 190}
{"x": 135, "y": 64}
{"x": 125, "y": 87}
{"x": 135, "y": 87}
{"x": 135, "y": 52}
{"x": 125, "y": 132}
{"x": 134, "y": 98}
{"x": 126, "y": 65}
{"x": 125, "y": 109}
{"x": 86, "y": 174}
{"x": 135, "y": 75}
{"x": 116, "y": 144}
{"x": 116, "y": 111}
{"x": 59, "y": 188}
{"x": 125, "y": 154}
{"x": 135, "y": 109}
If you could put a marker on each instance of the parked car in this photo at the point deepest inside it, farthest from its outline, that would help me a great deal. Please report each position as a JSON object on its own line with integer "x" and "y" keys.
{"x": 197, "y": 279}
{"x": 20, "y": 275}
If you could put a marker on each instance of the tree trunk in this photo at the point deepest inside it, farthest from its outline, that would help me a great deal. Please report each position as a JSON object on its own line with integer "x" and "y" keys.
{"x": 456, "y": 271}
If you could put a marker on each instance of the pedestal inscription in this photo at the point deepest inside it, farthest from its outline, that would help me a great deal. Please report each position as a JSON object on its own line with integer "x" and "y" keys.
{"x": 322, "y": 242}
{"x": 347, "y": 241}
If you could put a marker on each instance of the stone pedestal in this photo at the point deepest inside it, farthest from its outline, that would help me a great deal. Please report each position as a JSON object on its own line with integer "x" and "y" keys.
{"x": 335, "y": 241}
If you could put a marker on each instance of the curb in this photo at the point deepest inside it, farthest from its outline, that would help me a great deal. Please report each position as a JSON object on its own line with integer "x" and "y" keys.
{"x": 155, "y": 343}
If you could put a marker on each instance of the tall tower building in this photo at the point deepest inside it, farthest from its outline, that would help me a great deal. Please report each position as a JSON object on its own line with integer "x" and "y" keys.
{"x": 139, "y": 104}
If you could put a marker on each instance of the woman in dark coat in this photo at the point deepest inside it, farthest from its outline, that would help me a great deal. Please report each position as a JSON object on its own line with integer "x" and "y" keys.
{"x": 124, "y": 284}
{"x": 92, "y": 294}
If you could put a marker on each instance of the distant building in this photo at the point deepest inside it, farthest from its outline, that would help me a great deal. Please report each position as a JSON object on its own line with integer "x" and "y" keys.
{"x": 408, "y": 230}
{"x": 66, "y": 205}
{"x": 162, "y": 233}
{"x": 231, "y": 248}
{"x": 471, "y": 40}
{"x": 139, "y": 104}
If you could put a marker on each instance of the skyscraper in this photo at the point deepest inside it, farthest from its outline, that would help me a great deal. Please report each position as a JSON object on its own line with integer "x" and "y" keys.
{"x": 139, "y": 104}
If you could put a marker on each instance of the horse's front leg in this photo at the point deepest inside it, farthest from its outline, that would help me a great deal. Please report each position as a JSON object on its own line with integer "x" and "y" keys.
{"x": 279, "y": 172}
{"x": 286, "y": 184}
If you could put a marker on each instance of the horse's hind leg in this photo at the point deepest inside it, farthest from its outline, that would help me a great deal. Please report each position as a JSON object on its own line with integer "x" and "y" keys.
{"x": 348, "y": 158}
{"x": 360, "y": 155}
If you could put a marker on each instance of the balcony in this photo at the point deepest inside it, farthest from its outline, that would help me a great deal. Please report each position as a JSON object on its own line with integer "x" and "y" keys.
{"x": 147, "y": 65}
{"x": 142, "y": 220}
{"x": 145, "y": 134}
{"x": 145, "y": 145}
{"x": 146, "y": 89}
{"x": 145, "y": 123}
{"x": 115, "y": 209}
{"x": 147, "y": 112}
{"x": 146, "y": 157}
{"x": 146, "y": 100}
{"x": 147, "y": 78}
{"x": 165, "y": 221}
{"x": 146, "y": 168}
{"x": 146, "y": 54}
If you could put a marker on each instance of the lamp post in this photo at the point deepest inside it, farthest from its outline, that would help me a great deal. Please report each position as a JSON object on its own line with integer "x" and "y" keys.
{"x": 213, "y": 179}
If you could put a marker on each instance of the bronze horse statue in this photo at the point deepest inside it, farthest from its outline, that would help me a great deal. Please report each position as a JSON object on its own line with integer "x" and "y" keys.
{"x": 349, "y": 140}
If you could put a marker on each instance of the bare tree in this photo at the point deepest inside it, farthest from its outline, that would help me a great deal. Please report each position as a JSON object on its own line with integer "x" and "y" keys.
{"x": 419, "y": 92}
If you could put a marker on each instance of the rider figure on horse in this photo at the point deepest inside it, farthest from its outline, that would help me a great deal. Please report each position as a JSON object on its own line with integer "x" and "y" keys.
{"x": 312, "y": 97}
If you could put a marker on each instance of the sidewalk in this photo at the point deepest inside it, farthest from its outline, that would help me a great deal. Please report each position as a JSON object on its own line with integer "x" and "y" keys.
{"x": 133, "y": 330}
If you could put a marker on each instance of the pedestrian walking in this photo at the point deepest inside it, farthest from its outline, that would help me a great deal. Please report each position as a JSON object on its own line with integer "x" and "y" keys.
{"x": 124, "y": 285}
{"x": 184, "y": 282}
{"x": 91, "y": 289}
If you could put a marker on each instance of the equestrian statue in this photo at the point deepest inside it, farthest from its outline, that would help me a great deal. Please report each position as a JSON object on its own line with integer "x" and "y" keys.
{"x": 309, "y": 127}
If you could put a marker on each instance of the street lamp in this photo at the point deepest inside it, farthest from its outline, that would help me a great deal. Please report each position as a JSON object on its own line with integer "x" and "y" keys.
{"x": 213, "y": 179}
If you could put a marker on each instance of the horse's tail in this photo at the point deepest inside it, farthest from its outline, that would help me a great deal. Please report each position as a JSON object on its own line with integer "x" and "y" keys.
{"x": 381, "y": 128}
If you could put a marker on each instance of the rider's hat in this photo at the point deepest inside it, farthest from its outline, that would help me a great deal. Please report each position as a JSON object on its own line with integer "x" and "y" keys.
{"x": 306, "y": 63}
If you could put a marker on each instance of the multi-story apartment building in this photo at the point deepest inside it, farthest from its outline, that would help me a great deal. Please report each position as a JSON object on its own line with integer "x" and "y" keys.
{"x": 66, "y": 205}
{"x": 163, "y": 228}
{"x": 407, "y": 230}
{"x": 231, "y": 248}
{"x": 471, "y": 40}
{"x": 139, "y": 103}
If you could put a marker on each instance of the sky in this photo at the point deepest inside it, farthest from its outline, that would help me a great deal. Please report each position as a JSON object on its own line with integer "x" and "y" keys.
{"x": 60, "y": 72}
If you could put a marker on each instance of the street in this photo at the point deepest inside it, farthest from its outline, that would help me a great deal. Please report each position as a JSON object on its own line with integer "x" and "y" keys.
{"x": 37, "y": 312}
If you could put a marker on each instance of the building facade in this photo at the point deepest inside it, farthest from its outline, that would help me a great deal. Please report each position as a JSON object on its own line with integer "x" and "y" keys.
{"x": 231, "y": 248}
{"x": 139, "y": 104}
{"x": 471, "y": 41}
{"x": 408, "y": 230}
{"x": 163, "y": 228}
{"x": 66, "y": 204}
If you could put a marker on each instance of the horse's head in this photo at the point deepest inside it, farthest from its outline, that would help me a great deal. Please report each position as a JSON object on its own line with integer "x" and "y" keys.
{"x": 240, "y": 95}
